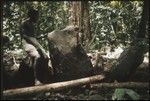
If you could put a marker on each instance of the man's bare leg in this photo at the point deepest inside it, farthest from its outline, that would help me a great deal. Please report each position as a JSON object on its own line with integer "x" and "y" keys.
{"x": 37, "y": 82}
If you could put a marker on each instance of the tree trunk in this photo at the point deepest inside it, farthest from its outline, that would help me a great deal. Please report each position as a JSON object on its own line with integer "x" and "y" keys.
{"x": 74, "y": 13}
{"x": 144, "y": 20}
{"x": 86, "y": 20}
{"x": 79, "y": 12}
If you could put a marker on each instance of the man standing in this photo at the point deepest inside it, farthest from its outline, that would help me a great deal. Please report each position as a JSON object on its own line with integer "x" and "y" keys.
{"x": 30, "y": 44}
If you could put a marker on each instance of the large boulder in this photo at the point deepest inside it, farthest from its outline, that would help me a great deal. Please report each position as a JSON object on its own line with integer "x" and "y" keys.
{"x": 69, "y": 60}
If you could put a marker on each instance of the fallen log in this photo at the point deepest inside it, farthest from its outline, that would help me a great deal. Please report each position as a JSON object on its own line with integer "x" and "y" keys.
{"x": 51, "y": 87}
{"x": 132, "y": 85}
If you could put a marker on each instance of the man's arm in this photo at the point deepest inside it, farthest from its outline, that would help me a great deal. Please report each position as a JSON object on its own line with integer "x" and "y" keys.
{"x": 32, "y": 41}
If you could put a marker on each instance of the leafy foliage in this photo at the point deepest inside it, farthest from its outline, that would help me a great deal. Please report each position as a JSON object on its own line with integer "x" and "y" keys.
{"x": 112, "y": 22}
{"x": 115, "y": 22}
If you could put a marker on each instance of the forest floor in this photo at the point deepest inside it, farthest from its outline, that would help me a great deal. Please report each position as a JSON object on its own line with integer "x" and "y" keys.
{"x": 86, "y": 92}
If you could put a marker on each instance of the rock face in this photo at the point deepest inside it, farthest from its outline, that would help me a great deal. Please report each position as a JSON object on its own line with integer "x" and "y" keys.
{"x": 128, "y": 62}
{"x": 69, "y": 60}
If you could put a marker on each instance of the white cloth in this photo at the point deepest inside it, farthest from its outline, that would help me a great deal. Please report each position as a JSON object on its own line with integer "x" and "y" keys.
{"x": 30, "y": 49}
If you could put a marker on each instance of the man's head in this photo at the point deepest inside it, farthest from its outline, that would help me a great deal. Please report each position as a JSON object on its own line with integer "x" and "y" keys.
{"x": 33, "y": 15}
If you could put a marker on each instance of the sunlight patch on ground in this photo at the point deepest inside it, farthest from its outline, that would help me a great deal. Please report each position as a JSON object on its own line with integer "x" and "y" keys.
{"x": 113, "y": 55}
{"x": 146, "y": 58}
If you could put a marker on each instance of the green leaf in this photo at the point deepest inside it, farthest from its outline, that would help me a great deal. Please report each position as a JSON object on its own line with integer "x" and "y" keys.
{"x": 133, "y": 94}
{"x": 119, "y": 94}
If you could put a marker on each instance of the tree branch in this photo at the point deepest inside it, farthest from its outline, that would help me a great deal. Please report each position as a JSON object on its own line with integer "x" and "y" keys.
{"x": 137, "y": 85}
